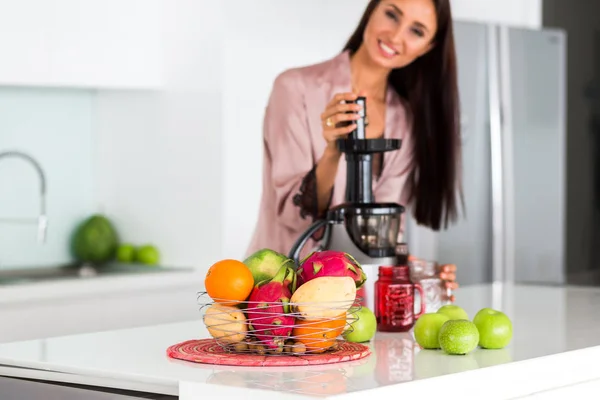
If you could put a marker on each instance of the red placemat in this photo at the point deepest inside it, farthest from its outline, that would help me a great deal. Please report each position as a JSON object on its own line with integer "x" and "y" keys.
{"x": 208, "y": 351}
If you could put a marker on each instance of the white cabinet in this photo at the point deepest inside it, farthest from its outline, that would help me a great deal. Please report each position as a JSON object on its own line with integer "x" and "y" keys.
{"x": 70, "y": 307}
{"x": 516, "y": 13}
{"x": 81, "y": 43}
{"x": 40, "y": 319}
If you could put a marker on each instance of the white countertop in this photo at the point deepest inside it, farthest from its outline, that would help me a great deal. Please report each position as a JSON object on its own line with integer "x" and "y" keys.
{"x": 556, "y": 343}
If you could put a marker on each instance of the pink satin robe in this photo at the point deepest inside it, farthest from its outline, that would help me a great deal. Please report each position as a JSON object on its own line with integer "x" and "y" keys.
{"x": 293, "y": 144}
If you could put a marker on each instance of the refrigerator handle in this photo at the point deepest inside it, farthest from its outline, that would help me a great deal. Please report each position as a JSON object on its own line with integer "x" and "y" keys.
{"x": 507, "y": 153}
{"x": 496, "y": 155}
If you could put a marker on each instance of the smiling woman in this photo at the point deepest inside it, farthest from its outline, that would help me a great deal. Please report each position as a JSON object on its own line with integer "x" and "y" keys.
{"x": 397, "y": 33}
{"x": 401, "y": 57}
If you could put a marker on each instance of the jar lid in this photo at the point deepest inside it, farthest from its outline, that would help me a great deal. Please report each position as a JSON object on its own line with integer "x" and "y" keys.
{"x": 395, "y": 271}
{"x": 401, "y": 251}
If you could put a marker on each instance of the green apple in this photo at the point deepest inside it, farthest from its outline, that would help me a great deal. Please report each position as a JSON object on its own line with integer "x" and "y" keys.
{"x": 363, "y": 328}
{"x": 126, "y": 253}
{"x": 148, "y": 254}
{"x": 427, "y": 330}
{"x": 495, "y": 328}
{"x": 453, "y": 312}
{"x": 458, "y": 336}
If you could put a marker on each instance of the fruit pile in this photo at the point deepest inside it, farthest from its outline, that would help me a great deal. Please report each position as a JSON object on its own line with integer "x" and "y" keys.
{"x": 144, "y": 254}
{"x": 451, "y": 330}
{"x": 267, "y": 306}
{"x": 96, "y": 241}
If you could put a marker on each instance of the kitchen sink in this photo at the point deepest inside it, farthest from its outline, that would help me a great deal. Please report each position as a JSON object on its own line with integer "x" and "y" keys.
{"x": 78, "y": 271}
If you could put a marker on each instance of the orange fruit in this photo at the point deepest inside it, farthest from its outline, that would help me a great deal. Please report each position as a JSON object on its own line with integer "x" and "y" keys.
{"x": 318, "y": 334}
{"x": 229, "y": 282}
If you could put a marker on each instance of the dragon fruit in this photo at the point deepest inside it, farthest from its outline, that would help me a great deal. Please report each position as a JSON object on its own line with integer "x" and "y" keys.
{"x": 330, "y": 263}
{"x": 269, "y": 303}
{"x": 265, "y": 263}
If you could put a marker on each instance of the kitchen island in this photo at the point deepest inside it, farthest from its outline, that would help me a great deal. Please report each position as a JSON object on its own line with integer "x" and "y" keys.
{"x": 555, "y": 347}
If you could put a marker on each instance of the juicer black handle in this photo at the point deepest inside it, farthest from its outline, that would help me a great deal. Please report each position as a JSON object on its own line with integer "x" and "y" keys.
{"x": 299, "y": 244}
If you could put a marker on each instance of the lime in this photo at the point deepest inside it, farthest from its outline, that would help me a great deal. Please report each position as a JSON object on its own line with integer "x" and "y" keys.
{"x": 148, "y": 254}
{"x": 458, "y": 336}
{"x": 126, "y": 253}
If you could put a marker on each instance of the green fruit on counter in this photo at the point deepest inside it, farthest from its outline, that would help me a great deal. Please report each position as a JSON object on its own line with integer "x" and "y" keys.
{"x": 495, "y": 328}
{"x": 95, "y": 240}
{"x": 363, "y": 328}
{"x": 126, "y": 253}
{"x": 453, "y": 312}
{"x": 427, "y": 330}
{"x": 458, "y": 336}
{"x": 265, "y": 263}
{"x": 148, "y": 254}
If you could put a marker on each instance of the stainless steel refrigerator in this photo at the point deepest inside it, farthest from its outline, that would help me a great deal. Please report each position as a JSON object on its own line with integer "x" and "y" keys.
{"x": 512, "y": 88}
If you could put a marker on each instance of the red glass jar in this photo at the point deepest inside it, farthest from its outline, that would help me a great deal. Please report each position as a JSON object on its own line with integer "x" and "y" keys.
{"x": 395, "y": 299}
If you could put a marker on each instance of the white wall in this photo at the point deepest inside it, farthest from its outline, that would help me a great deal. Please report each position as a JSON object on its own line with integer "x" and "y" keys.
{"x": 159, "y": 164}
{"x": 74, "y": 43}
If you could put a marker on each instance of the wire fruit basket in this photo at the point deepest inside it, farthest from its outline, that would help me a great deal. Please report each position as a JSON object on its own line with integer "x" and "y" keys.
{"x": 278, "y": 328}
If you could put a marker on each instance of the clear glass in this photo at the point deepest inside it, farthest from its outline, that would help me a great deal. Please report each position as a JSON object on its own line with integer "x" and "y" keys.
{"x": 374, "y": 231}
{"x": 427, "y": 274}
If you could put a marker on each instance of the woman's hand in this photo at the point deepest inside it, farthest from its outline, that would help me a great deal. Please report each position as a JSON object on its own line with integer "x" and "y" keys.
{"x": 448, "y": 275}
{"x": 338, "y": 118}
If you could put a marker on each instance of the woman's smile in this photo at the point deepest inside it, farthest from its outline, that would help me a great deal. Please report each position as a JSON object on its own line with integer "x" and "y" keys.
{"x": 387, "y": 50}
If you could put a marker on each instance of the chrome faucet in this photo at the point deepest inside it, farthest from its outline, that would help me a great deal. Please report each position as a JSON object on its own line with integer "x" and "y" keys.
{"x": 42, "y": 219}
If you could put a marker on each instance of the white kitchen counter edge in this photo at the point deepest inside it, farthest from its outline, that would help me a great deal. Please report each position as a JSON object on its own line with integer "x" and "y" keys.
{"x": 86, "y": 287}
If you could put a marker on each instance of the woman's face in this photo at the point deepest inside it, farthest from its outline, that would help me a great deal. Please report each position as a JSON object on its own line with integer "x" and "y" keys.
{"x": 400, "y": 31}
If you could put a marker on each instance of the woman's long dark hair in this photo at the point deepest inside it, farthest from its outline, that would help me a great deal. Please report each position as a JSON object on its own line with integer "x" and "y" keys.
{"x": 429, "y": 87}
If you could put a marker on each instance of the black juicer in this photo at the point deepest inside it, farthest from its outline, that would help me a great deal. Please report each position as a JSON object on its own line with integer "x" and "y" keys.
{"x": 361, "y": 227}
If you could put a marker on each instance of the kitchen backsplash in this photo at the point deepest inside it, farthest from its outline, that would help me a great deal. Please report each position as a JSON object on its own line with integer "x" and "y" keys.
{"x": 55, "y": 127}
